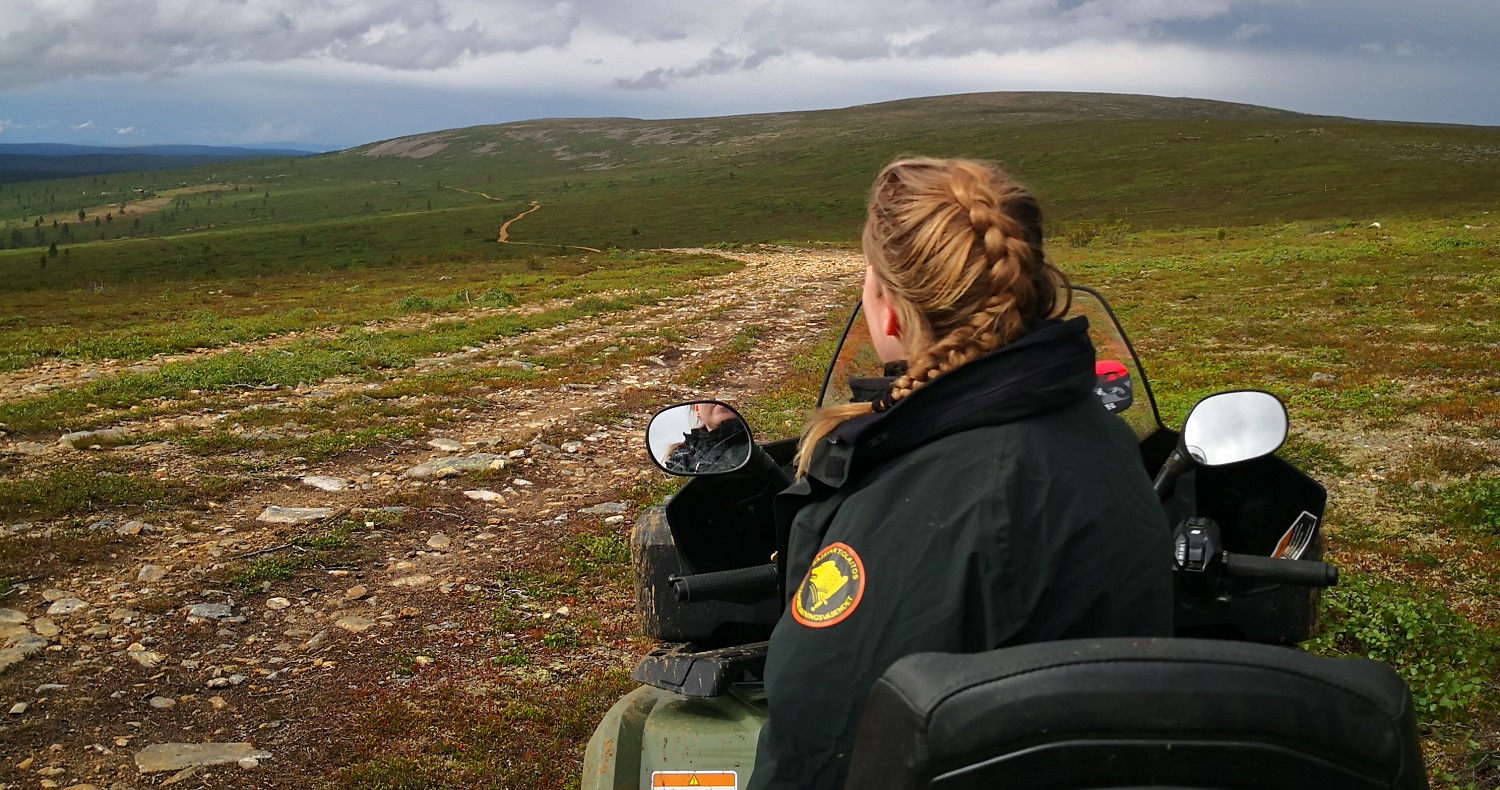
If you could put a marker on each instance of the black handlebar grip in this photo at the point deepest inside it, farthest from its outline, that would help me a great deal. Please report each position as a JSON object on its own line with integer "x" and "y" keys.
{"x": 1307, "y": 573}
{"x": 744, "y": 585}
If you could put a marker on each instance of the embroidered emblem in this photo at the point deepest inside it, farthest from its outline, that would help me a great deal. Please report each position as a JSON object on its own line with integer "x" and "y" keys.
{"x": 832, "y": 589}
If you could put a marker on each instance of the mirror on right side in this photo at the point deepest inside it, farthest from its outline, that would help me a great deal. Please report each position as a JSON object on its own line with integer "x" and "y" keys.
{"x": 1234, "y": 426}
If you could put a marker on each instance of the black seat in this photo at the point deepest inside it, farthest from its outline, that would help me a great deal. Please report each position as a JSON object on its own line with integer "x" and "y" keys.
{"x": 1130, "y": 713}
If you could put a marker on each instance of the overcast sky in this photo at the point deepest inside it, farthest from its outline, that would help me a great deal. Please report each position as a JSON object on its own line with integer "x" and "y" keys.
{"x": 337, "y": 73}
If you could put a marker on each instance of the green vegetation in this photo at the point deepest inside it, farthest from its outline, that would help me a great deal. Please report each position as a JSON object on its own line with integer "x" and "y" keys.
{"x": 1448, "y": 662}
{"x": 1475, "y": 505}
{"x": 508, "y": 740}
{"x": 316, "y": 548}
{"x": 88, "y": 488}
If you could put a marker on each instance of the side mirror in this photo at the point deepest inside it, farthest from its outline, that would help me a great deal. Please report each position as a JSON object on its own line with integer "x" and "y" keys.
{"x": 1234, "y": 426}
{"x": 1224, "y": 429}
{"x": 704, "y": 437}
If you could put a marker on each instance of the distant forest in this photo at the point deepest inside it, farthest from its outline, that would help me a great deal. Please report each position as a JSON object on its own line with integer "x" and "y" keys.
{"x": 41, "y": 161}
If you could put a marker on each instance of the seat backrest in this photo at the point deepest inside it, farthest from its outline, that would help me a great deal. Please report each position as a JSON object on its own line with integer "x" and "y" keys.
{"x": 1127, "y": 713}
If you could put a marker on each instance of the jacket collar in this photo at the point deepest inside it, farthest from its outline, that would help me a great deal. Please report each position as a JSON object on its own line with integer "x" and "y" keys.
{"x": 1049, "y": 368}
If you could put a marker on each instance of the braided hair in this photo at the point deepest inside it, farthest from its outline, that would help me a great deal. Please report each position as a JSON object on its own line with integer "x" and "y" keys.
{"x": 956, "y": 247}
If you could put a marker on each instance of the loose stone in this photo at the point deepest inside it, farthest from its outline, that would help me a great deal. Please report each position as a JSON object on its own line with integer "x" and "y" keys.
{"x": 445, "y": 445}
{"x": 330, "y": 484}
{"x": 356, "y": 592}
{"x": 484, "y": 495}
{"x": 439, "y": 542}
{"x": 18, "y": 708}
{"x": 176, "y": 756}
{"x": 66, "y": 606}
{"x": 277, "y": 604}
{"x": 151, "y": 574}
{"x": 355, "y": 624}
{"x": 162, "y": 703}
{"x": 209, "y": 611}
{"x": 294, "y": 515}
{"x": 45, "y": 627}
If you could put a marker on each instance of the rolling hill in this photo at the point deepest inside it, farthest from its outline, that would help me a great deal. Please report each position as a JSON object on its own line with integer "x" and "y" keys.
{"x": 1150, "y": 162}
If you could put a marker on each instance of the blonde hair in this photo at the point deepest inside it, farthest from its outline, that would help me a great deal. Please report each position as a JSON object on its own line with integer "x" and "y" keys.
{"x": 956, "y": 247}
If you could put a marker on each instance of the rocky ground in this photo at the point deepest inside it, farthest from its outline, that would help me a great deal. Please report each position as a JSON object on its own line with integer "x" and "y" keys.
{"x": 147, "y": 654}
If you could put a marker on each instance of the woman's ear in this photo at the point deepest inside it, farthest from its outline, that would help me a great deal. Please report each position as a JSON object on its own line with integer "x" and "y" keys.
{"x": 889, "y": 322}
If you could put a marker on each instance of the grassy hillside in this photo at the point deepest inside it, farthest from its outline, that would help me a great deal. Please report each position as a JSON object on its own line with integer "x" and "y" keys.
{"x": 1152, "y": 162}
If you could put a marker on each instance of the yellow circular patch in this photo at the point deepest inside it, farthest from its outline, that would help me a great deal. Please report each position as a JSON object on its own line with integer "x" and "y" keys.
{"x": 835, "y": 582}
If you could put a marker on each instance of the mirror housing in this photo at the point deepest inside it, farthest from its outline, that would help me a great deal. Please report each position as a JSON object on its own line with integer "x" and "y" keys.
{"x": 697, "y": 438}
{"x": 1234, "y": 426}
{"x": 1225, "y": 428}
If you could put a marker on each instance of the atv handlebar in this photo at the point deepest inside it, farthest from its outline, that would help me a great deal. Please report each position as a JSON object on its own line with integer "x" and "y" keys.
{"x": 744, "y": 585}
{"x": 1308, "y": 573}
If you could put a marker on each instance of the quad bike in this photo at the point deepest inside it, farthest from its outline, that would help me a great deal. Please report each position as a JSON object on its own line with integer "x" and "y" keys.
{"x": 1229, "y": 702}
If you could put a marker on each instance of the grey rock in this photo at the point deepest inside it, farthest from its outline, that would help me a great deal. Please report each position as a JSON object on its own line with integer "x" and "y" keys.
{"x": 294, "y": 515}
{"x": 605, "y": 509}
{"x": 572, "y": 447}
{"x": 177, "y": 756}
{"x": 445, "y": 445}
{"x": 162, "y": 703}
{"x": 439, "y": 542}
{"x": 1321, "y": 377}
{"x": 209, "y": 611}
{"x": 30, "y": 448}
{"x": 330, "y": 484}
{"x": 28, "y": 644}
{"x": 88, "y": 438}
{"x": 46, "y": 687}
{"x": 484, "y": 495}
{"x": 133, "y": 528}
{"x": 355, "y": 623}
{"x": 418, "y": 580}
{"x": 146, "y": 658}
{"x": 151, "y": 573}
{"x": 217, "y": 683}
{"x": 9, "y": 657}
{"x": 12, "y": 616}
{"x": 54, "y": 594}
{"x": 454, "y": 465}
{"x": 66, "y": 606}
{"x": 278, "y": 603}
{"x": 12, "y": 630}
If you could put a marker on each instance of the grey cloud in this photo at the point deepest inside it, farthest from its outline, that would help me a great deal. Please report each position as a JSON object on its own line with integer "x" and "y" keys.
{"x": 719, "y": 61}
{"x": 1246, "y": 32}
{"x": 861, "y": 30}
{"x": 45, "y": 40}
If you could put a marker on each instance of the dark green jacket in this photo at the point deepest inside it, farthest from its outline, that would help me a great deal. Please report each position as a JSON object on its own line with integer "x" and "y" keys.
{"x": 998, "y": 505}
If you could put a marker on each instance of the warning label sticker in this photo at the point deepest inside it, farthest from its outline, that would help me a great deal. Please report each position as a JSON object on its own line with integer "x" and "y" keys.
{"x": 715, "y": 779}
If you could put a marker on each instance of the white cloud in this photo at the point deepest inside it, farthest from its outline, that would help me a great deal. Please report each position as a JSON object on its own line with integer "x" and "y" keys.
{"x": 124, "y": 130}
{"x": 1248, "y": 31}
{"x": 7, "y": 124}
{"x": 78, "y": 127}
{"x": 42, "y": 40}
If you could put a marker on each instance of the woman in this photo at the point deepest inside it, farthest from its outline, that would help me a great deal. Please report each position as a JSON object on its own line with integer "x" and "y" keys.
{"x": 986, "y": 499}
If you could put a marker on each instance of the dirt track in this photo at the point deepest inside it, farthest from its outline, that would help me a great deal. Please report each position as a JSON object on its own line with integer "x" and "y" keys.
{"x": 289, "y": 668}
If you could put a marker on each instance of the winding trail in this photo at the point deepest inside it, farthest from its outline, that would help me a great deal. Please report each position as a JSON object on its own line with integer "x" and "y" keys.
{"x": 503, "y": 236}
